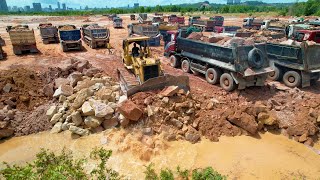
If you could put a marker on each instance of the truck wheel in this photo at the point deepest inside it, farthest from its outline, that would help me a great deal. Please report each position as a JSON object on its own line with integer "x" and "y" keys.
{"x": 276, "y": 75}
{"x": 255, "y": 58}
{"x": 292, "y": 79}
{"x": 227, "y": 82}
{"x": 213, "y": 75}
{"x": 174, "y": 61}
{"x": 185, "y": 66}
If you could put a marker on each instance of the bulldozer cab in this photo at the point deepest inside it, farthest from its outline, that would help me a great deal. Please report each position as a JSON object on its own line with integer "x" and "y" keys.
{"x": 130, "y": 52}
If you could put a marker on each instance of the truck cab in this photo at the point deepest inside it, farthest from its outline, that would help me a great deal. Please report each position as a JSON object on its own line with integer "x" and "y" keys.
{"x": 218, "y": 20}
{"x": 307, "y": 35}
{"x": 117, "y": 22}
{"x": 252, "y": 23}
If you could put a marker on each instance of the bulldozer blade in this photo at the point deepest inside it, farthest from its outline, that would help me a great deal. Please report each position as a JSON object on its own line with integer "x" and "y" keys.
{"x": 160, "y": 83}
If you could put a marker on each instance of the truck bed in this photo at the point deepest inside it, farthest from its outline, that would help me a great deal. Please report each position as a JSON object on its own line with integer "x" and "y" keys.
{"x": 144, "y": 29}
{"x": 48, "y": 32}
{"x": 70, "y": 35}
{"x": 302, "y": 57}
{"x": 22, "y": 37}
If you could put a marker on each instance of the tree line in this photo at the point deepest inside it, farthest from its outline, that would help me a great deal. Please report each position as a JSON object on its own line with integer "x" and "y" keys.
{"x": 310, "y": 7}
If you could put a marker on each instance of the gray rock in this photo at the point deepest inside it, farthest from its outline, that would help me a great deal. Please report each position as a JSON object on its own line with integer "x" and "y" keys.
{"x": 101, "y": 109}
{"x": 192, "y": 137}
{"x": 55, "y": 118}
{"x": 61, "y": 81}
{"x": 76, "y": 118}
{"x": 7, "y": 88}
{"x": 147, "y": 131}
{"x": 176, "y": 123}
{"x": 92, "y": 121}
{"x": 64, "y": 126}
{"x": 79, "y": 131}
{"x": 112, "y": 105}
{"x": 56, "y": 128}
{"x": 74, "y": 78}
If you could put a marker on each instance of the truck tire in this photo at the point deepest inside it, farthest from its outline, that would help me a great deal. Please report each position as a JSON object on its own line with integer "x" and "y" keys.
{"x": 213, "y": 75}
{"x": 292, "y": 79}
{"x": 227, "y": 82}
{"x": 255, "y": 58}
{"x": 174, "y": 61}
{"x": 185, "y": 66}
{"x": 276, "y": 75}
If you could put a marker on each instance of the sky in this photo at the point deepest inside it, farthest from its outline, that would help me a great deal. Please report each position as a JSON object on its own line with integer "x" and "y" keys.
{"x": 113, "y": 3}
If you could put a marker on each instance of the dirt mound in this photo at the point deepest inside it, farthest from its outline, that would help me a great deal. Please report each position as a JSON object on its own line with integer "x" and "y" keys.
{"x": 25, "y": 123}
{"x": 24, "y": 88}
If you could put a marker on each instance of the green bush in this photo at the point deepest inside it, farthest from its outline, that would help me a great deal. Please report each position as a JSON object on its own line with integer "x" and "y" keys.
{"x": 49, "y": 166}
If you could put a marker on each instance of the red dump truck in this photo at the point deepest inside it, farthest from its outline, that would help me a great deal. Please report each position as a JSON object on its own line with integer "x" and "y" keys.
{"x": 307, "y": 35}
{"x": 252, "y": 23}
{"x": 174, "y": 19}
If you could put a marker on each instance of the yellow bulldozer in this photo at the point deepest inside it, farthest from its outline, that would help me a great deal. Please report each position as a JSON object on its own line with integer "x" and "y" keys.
{"x": 143, "y": 71}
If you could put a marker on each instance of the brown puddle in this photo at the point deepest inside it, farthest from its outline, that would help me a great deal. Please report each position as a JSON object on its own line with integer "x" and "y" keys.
{"x": 243, "y": 157}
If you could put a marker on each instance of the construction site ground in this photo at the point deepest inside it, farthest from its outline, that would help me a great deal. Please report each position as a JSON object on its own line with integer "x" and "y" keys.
{"x": 263, "y": 156}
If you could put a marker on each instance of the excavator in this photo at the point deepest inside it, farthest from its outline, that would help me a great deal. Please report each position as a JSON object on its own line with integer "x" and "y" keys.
{"x": 143, "y": 71}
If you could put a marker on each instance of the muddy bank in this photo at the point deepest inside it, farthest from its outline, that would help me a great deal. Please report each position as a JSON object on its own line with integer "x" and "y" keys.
{"x": 267, "y": 156}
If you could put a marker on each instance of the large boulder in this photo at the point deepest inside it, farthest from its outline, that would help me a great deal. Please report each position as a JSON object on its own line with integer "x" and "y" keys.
{"x": 245, "y": 121}
{"x": 74, "y": 78}
{"x": 130, "y": 110}
{"x": 65, "y": 90}
{"x": 76, "y": 118}
{"x": 51, "y": 111}
{"x": 87, "y": 109}
{"x": 169, "y": 91}
{"x": 61, "y": 81}
{"x": 81, "y": 98}
{"x": 55, "y": 118}
{"x": 79, "y": 131}
{"x": 56, "y": 128}
{"x": 110, "y": 123}
{"x": 101, "y": 109}
{"x": 92, "y": 121}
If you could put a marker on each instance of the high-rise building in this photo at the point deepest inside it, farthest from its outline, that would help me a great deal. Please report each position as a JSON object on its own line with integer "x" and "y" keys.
{"x": 237, "y": 1}
{"x": 3, "y": 6}
{"x": 37, "y": 7}
{"x": 27, "y": 8}
{"x": 229, "y": 2}
{"x": 50, "y": 8}
{"x": 58, "y": 5}
{"x": 15, "y": 9}
{"x": 135, "y": 5}
{"x": 64, "y": 7}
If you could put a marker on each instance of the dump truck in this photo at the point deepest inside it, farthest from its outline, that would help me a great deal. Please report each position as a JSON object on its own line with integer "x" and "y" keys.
{"x": 22, "y": 39}
{"x": 252, "y": 23}
{"x": 117, "y": 22}
{"x": 143, "y": 29}
{"x": 95, "y": 36}
{"x": 233, "y": 66}
{"x": 143, "y": 71}
{"x": 132, "y": 17}
{"x": 174, "y": 19}
{"x": 294, "y": 65}
{"x": 48, "y": 33}
{"x": 273, "y": 25}
{"x": 112, "y": 16}
{"x": 217, "y": 20}
{"x": 144, "y": 19}
{"x": 70, "y": 38}
{"x": 203, "y": 24}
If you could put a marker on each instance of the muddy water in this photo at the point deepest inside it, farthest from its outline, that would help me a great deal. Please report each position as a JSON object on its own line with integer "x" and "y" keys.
{"x": 267, "y": 157}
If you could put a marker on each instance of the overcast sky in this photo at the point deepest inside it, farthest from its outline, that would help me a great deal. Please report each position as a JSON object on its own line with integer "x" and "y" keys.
{"x": 112, "y": 3}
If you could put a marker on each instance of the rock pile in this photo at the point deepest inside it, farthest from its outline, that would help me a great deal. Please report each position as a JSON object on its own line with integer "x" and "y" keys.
{"x": 87, "y": 102}
{"x": 6, "y": 114}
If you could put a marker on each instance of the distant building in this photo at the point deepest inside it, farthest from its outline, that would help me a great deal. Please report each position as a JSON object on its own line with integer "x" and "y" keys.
{"x": 50, "y": 8}
{"x": 15, "y": 9}
{"x": 136, "y": 5}
{"x": 64, "y": 7}
{"x": 3, "y": 6}
{"x": 37, "y": 7}
{"x": 229, "y": 2}
{"x": 58, "y": 5}
{"x": 237, "y": 1}
{"x": 27, "y": 8}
